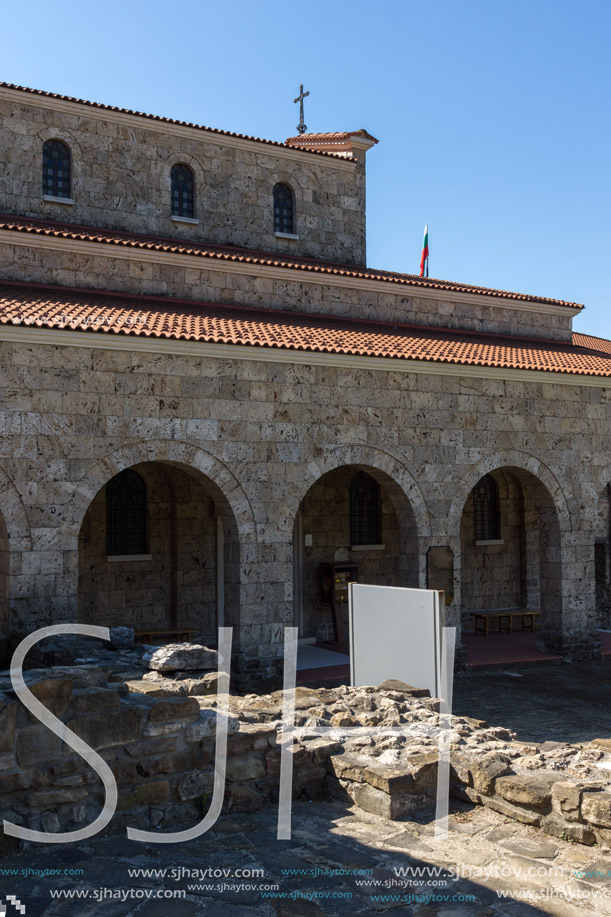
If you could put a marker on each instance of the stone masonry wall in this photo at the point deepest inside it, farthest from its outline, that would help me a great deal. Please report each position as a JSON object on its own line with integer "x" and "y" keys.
{"x": 121, "y": 180}
{"x": 177, "y": 582}
{"x": 160, "y": 750}
{"x": 262, "y": 434}
{"x": 106, "y": 269}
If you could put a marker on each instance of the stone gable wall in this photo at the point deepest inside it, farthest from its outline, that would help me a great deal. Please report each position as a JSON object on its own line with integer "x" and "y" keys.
{"x": 121, "y": 180}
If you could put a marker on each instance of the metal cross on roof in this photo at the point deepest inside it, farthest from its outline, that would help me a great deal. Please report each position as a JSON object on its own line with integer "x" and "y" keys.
{"x": 302, "y": 126}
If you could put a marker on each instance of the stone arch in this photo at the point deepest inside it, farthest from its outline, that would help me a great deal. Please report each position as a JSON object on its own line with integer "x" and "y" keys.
{"x": 321, "y": 510}
{"x": 520, "y": 569}
{"x": 368, "y": 457}
{"x": 510, "y": 458}
{"x": 199, "y": 177}
{"x": 169, "y": 451}
{"x": 198, "y": 521}
{"x": 76, "y": 155}
{"x": 289, "y": 179}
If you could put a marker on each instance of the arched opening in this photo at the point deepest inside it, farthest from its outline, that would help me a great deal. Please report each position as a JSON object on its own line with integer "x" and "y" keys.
{"x": 510, "y": 557}
{"x": 180, "y": 570}
{"x": 338, "y": 518}
{"x": 284, "y": 209}
{"x": 182, "y": 191}
{"x": 56, "y": 169}
{"x": 4, "y": 590}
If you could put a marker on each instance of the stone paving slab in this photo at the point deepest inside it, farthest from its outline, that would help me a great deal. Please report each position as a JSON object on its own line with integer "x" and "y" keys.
{"x": 334, "y": 850}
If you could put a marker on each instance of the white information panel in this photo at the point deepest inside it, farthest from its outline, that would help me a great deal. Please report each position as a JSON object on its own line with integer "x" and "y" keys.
{"x": 395, "y": 633}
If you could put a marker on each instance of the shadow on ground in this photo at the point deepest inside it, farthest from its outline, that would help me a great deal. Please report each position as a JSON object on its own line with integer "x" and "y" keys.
{"x": 317, "y": 872}
{"x": 562, "y": 703}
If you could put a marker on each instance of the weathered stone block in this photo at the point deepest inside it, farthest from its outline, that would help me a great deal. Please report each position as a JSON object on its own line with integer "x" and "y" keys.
{"x": 566, "y": 799}
{"x": 243, "y": 799}
{"x": 596, "y": 808}
{"x": 53, "y": 796}
{"x": 54, "y": 693}
{"x": 90, "y": 700}
{"x": 245, "y": 767}
{"x": 195, "y": 784}
{"x": 348, "y": 767}
{"x": 526, "y": 816}
{"x": 106, "y": 730}
{"x": 178, "y": 657}
{"x": 146, "y": 794}
{"x": 393, "y": 684}
{"x": 149, "y": 688}
{"x": 389, "y": 779}
{"x": 533, "y": 792}
{"x": 174, "y": 708}
{"x": 152, "y": 746}
{"x": 394, "y": 807}
{"x": 485, "y": 771}
{"x": 37, "y": 745}
{"x": 568, "y": 830}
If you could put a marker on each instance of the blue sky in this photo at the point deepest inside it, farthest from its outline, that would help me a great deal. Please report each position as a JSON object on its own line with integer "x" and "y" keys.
{"x": 493, "y": 117}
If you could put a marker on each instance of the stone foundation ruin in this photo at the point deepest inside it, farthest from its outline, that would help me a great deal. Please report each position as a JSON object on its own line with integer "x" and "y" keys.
{"x": 156, "y": 729}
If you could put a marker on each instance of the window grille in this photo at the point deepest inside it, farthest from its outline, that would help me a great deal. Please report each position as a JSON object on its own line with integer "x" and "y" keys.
{"x": 364, "y": 509}
{"x": 284, "y": 219}
{"x": 183, "y": 191}
{"x": 55, "y": 169}
{"x": 486, "y": 510}
{"x": 126, "y": 514}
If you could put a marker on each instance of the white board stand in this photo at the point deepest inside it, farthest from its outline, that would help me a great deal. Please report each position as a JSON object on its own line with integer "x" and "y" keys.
{"x": 395, "y": 633}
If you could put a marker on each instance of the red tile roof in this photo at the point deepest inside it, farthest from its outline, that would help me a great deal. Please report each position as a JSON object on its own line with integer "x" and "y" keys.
{"x": 156, "y": 317}
{"x": 248, "y": 256}
{"x": 141, "y": 114}
{"x": 335, "y": 137}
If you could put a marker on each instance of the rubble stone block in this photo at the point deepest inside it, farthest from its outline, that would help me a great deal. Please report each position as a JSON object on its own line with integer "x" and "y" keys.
{"x": 534, "y": 792}
{"x": 178, "y": 657}
{"x": 596, "y": 808}
{"x": 90, "y": 700}
{"x": 174, "y": 708}
{"x": 107, "y": 730}
{"x": 245, "y": 767}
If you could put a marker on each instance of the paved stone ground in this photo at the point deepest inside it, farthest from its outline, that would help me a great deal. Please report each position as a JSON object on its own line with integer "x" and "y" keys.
{"x": 336, "y": 842}
{"x": 563, "y": 703}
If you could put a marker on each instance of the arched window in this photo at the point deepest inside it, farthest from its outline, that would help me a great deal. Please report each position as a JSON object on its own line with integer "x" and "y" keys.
{"x": 486, "y": 510}
{"x": 364, "y": 509}
{"x": 284, "y": 211}
{"x": 183, "y": 191}
{"x": 55, "y": 169}
{"x": 126, "y": 514}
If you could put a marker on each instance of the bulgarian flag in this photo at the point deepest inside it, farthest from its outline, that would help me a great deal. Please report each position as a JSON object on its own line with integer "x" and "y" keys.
{"x": 424, "y": 258}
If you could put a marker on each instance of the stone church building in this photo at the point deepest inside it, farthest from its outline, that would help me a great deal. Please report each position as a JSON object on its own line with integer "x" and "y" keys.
{"x": 205, "y": 394}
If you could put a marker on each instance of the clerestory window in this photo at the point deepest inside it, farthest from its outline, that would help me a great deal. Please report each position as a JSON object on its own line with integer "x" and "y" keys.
{"x": 284, "y": 209}
{"x": 56, "y": 169}
{"x": 183, "y": 191}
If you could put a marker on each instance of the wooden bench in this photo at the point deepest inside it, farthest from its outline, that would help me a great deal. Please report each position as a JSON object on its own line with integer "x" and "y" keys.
{"x": 182, "y": 635}
{"x": 505, "y": 620}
